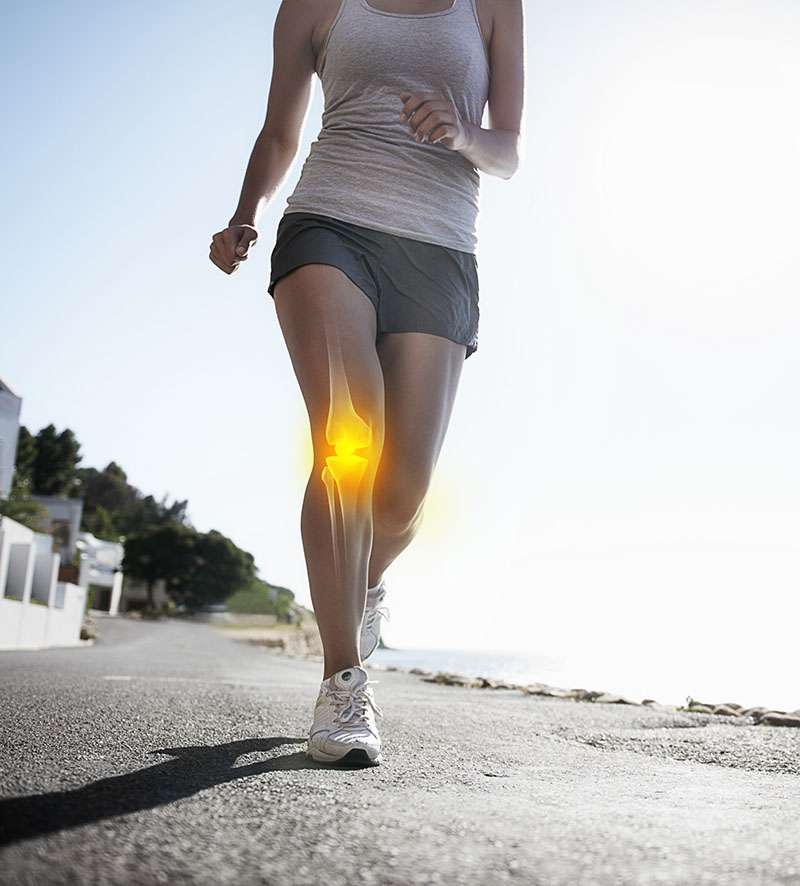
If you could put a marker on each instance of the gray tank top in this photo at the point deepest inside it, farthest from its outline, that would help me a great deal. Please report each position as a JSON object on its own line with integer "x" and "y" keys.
{"x": 365, "y": 166}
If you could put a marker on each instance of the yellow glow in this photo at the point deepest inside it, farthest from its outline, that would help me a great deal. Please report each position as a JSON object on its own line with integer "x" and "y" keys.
{"x": 344, "y": 470}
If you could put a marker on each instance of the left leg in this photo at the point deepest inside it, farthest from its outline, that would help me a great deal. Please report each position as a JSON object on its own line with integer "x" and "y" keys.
{"x": 421, "y": 375}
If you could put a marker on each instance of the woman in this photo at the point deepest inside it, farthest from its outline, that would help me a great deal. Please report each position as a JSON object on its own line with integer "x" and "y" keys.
{"x": 374, "y": 280}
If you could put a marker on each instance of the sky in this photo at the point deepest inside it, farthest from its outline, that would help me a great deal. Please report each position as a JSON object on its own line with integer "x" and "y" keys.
{"x": 619, "y": 484}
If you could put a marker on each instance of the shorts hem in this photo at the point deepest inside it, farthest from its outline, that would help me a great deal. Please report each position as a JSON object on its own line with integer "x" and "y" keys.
{"x": 471, "y": 345}
{"x": 330, "y": 264}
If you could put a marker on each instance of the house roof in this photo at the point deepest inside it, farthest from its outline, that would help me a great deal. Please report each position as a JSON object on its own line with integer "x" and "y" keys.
{"x": 5, "y": 387}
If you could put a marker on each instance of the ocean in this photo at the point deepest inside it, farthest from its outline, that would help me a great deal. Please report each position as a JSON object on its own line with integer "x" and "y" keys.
{"x": 666, "y": 682}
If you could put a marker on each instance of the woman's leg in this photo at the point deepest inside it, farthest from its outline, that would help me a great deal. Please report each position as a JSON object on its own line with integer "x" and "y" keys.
{"x": 329, "y": 326}
{"x": 421, "y": 375}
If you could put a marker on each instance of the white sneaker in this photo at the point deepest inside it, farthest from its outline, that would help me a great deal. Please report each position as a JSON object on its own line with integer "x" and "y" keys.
{"x": 374, "y": 613}
{"x": 344, "y": 729}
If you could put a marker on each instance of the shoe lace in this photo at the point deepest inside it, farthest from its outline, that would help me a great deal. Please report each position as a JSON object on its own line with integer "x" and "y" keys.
{"x": 373, "y": 612}
{"x": 352, "y": 704}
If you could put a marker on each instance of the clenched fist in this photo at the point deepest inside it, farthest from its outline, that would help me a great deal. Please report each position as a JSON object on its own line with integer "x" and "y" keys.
{"x": 230, "y": 247}
{"x": 434, "y": 118}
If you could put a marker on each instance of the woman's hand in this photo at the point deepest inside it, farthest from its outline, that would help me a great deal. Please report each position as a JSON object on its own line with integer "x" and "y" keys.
{"x": 230, "y": 247}
{"x": 434, "y": 118}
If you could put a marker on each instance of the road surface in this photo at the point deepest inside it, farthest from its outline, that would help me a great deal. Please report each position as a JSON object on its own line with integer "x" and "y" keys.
{"x": 169, "y": 753}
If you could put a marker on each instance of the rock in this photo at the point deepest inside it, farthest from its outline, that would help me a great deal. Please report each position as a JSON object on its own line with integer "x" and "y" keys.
{"x": 421, "y": 672}
{"x": 649, "y": 701}
{"x": 557, "y": 692}
{"x": 697, "y": 708}
{"x": 88, "y": 630}
{"x": 544, "y": 689}
{"x": 753, "y": 712}
{"x": 725, "y": 710}
{"x": 486, "y": 683}
{"x": 610, "y": 698}
{"x": 448, "y": 679}
{"x": 593, "y": 694}
{"x": 778, "y": 718}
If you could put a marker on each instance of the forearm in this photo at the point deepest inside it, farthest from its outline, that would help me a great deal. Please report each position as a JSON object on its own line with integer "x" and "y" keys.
{"x": 493, "y": 151}
{"x": 269, "y": 162}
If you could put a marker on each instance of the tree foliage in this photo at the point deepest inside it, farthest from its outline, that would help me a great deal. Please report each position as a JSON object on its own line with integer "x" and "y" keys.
{"x": 55, "y": 462}
{"x": 160, "y": 543}
{"x": 112, "y": 508}
{"x": 198, "y": 568}
{"x": 219, "y": 569}
{"x": 162, "y": 552}
{"x": 261, "y": 598}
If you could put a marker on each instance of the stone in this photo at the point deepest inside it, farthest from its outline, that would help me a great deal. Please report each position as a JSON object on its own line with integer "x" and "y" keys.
{"x": 448, "y": 679}
{"x": 544, "y": 689}
{"x": 725, "y": 710}
{"x": 697, "y": 708}
{"x": 753, "y": 712}
{"x": 778, "y": 718}
{"x": 610, "y": 698}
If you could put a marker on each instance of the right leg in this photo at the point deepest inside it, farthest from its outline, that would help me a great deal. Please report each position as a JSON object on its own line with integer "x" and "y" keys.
{"x": 329, "y": 326}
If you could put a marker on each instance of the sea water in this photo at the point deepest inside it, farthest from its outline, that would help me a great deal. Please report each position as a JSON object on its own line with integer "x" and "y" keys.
{"x": 669, "y": 682}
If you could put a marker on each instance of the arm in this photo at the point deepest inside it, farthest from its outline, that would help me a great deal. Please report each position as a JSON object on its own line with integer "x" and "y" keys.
{"x": 276, "y": 144}
{"x": 287, "y": 105}
{"x": 434, "y": 118}
{"x": 496, "y": 150}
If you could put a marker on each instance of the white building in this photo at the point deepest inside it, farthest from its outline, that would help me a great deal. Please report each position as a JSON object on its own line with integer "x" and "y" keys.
{"x": 10, "y": 407}
{"x": 36, "y": 609}
{"x": 101, "y": 571}
{"x": 63, "y": 522}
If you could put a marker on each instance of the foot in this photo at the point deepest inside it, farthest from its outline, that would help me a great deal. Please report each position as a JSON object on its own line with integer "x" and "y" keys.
{"x": 344, "y": 729}
{"x": 374, "y": 613}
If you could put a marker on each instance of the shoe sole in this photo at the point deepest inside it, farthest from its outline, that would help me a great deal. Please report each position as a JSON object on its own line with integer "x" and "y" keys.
{"x": 356, "y": 757}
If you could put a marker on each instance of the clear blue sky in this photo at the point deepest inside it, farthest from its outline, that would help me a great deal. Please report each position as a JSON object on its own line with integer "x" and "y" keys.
{"x": 620, "y": 479}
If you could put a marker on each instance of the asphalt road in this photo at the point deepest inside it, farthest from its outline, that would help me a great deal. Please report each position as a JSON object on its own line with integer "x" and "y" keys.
{"x": 168, "y": 753}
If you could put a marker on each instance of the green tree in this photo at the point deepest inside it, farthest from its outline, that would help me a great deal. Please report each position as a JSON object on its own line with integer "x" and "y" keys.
{"x": 164, "y": 552}
{"x": 25, "y": 460}
{"x": 55, "y": 463}
{"x": 262, "y": 598}
{"x": 149, "y": 511}
{"x": 19, "y": 505}
{"x": 219, "y": 569}
{"x": 113, "y": 508}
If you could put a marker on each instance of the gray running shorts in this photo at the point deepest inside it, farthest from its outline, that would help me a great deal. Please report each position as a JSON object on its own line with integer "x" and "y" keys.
{"x": 414, "y": 286}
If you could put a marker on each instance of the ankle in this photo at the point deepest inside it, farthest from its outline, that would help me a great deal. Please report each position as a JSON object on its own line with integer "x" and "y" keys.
{"x": 337, "y": 665}
{"x": 373, "y": 585}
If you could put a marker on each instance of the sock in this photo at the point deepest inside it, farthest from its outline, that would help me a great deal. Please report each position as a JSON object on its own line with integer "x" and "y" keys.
{"x": 373, "y": 592}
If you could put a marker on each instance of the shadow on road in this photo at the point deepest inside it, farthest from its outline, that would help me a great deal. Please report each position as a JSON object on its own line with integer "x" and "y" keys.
{"x": 190, "y": 770}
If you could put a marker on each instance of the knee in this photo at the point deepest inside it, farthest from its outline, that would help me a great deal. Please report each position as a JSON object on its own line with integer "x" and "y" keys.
{"x": 397, "y": 504}
{"x": 348, "y": 442}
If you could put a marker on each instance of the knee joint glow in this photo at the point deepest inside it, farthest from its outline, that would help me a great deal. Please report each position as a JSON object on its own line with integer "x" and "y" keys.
{"x": 351, "y": 439}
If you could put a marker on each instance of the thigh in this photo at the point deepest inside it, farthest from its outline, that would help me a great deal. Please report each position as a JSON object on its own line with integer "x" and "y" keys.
{"x": 421, "y": 375}
{"x": 329, "y": 326}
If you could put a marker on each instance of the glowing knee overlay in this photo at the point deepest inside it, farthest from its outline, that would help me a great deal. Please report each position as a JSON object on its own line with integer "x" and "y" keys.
{"x": 346, "y": 432}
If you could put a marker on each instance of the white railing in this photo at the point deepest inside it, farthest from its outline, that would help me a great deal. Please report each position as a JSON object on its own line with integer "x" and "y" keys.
{"x": 36, "y": 609}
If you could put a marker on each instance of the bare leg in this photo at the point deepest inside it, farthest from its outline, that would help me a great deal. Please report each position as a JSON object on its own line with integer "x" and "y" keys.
{"x": 329, "y": 326}
{"x": 421, "y": 375}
